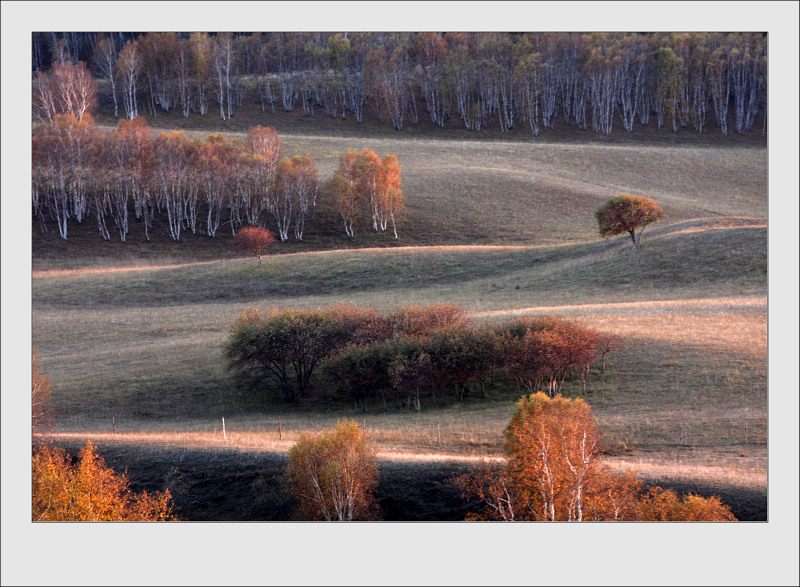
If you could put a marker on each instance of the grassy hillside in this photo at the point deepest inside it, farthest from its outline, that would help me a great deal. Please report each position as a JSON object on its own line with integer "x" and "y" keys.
{"x": 720, "y": 259}
{"x": 144, "y": 345}
{"x": 501, "y": 224}
{"x": 471, "y": 191}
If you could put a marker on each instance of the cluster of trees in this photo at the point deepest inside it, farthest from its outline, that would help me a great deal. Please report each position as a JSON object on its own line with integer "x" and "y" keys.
{"x": 362, "y": 354}
{"x": 363, "y": 180}
{"x": 553, "y": 473}
{"x": 80, "y": 173}
{"x": 591, "y": 80}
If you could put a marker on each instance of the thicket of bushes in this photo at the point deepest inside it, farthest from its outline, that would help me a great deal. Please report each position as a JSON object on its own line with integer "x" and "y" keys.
{"x": 358, "y": 354}
{"x": 88, "y": 491}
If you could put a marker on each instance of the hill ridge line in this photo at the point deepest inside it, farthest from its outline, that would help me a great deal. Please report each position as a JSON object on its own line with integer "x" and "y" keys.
{"x": 661, "y": 231}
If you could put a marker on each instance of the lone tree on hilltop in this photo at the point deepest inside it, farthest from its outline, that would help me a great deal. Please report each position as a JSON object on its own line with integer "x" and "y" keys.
{"x": 253, "y": 239}
{"x": 627, "y": 213}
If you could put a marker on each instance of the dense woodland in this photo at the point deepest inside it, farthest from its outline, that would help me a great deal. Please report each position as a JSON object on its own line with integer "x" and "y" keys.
{"x": 592, "y": 81}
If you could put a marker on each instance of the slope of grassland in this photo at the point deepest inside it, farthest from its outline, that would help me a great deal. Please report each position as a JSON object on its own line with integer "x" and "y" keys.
{"x": 501, "y": 224}
{"x": 474, "y": 192}
{"x": 144, "y": 345}
{"x": 717, "y": 258}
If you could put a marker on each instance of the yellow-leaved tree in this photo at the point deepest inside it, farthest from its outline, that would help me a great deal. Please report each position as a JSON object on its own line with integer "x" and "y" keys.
{"x": 334, "y": 474}
{"x": 554, "y": 473}
{"x": 88, "y": 491}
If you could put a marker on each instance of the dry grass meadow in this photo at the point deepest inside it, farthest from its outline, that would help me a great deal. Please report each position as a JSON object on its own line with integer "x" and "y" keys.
{"x": 133, "y": 331}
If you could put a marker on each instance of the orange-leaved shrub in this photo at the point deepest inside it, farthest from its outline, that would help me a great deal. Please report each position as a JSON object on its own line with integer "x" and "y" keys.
{"x": 88, "y": 490}
{"x": 254, "y": 240}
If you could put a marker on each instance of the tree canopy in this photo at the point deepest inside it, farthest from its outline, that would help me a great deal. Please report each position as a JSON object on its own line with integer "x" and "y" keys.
{"x": 334, "y": 474}
{"x": 627, "y": 213}
{"x": 554, "y": 472}
{"x": 253, "y": 239}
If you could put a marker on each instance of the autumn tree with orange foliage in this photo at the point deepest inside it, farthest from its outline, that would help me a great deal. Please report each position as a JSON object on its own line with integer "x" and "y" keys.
{"x": 547, "y": 349}
{"x": 552, "y": 444}
{"x": 89, "y": 491}
{"x": 553, "y": 473}
{"x": 363, "y": 179}
{"x": 341, "y": 191}
{"x": 390, "y": 197}
{"x": 254, "y": 239}
{"x": 294, "y": 194}
{"x": 334, "y": 474}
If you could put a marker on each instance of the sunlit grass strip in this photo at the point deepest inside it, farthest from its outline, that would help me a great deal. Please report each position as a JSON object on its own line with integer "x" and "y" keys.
{"x": 688, "y": 470}
{"x": 690, "y": 466}
{"x": 244, "y": 442}
{"x": 757, "y": 302}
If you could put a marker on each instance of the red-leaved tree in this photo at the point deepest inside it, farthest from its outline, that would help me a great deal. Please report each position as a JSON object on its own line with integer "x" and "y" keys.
{"x": 253, "y": 239}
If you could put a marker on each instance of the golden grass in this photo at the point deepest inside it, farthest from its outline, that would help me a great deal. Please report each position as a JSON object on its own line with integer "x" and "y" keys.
{"x": 743, "y": 467}
{"x": 616, "y": 307}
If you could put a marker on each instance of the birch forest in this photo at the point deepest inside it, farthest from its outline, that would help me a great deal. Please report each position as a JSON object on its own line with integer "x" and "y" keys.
{"x": 603, "y": 82}
{"x": 596, "y": 81}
